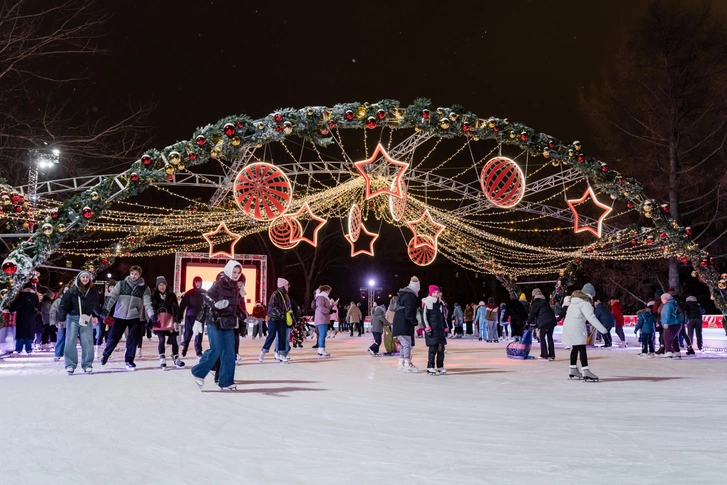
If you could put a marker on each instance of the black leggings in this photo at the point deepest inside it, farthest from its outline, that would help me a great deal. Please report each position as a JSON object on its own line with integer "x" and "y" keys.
{"x": 574, "y": 351}
{"x": 162, "y": 342}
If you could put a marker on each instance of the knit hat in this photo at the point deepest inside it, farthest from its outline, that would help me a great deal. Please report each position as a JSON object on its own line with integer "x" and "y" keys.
{"x": 671, "y": 290}
{"x": 78, "y": 277}
{"x": 537, "y": 293}
{"x": 691, "y": 298}
{"x": 481, "y": 303}
{"x": 666, "y": 297}
{"x": 282, "y": 282}
{"x": 414, "y": 284}
{"x": 589, "y": 290}
{"x": 650, "y": 304}
{"x": 112, "y": 283}
{"x": 658, "y": 293}
{"x": 196, "y": 279}
{"x": 566, "y": 301}
{"x": 160, "y": 280}
{"x": 432, "y": 289}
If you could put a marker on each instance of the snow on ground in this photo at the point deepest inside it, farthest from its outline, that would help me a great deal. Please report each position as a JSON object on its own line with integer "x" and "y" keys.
{"x": 353, "y": 419}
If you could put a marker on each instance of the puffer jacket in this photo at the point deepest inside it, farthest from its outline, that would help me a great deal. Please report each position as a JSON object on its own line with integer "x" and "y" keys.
{"x": 27, "y": 307}
{"x": 405, "y": 319}
{"x": 132, "y": 300}
{"x": 469, "y": 314}
{"x": 694, "y": 311}
{"x": 354, "y": 314}
{"x": 574, "y": 325}
{"x": 458, "y": 315}
{"x": 323, "y": 309}
{"x": 69, "y": 303}
{"x": 515, "y": 311}
{"x": 166, "y": 302}
{"x": 45, "y": 305}
{"x": 192, "y": 302}
{"x": 279, "y": 304}
{"x": 480, "y": 314}
{"x": 378, "y": 319}
{"x": 434, "y": 319}
{"x": 605, "y": 316}
{"x": 668, "y": 313}
{"x": 224, "y": 288}
{"x": 646, "y": 321}
{"x": 53, "y": 314}
{"x": 541, "y": 314}
{"x": 617, "y": 313}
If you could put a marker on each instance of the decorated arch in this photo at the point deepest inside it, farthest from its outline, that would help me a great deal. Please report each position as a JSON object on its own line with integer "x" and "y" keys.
{"x": 456, "y": 185}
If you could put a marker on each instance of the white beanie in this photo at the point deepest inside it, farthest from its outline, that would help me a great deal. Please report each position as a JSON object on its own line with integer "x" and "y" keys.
{"x": 414, "y": 284}
{"x": 282, "y": 282}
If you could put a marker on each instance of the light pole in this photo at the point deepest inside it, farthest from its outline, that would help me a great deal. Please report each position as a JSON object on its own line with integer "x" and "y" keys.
{"x": 371, "y": 290}
{"x": 40, "y": 160}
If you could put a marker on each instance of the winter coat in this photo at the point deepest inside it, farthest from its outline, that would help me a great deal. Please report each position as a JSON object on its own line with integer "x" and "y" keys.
{"x": 480, "y": 315}
{"x": 323, "y": 309}
{"x": 646, "y": 321}
{"x": 515, "y": 311}
{"x": 53, "y": 313}
{"x": 279, "y": 304}
{"x": 166, "y": 302}
{"x": 45, "y": 305}
{"x": 574, "y": 325}
{"x": 26, "y": 306}
{"x": 354, "y": 314}
{"x": 434, "y": 319}
{"x": 405, "y": 319}
{"x": 617, "y": 313}
{"x": 192, "y": 302}
{"x": 656, "y": 310}
{"x": 541, "y": 314}
{"x": 133, "y": 298}
{"x": 694, "y": 311}
{"x": 258, "y": 311}
{"x": 491, "y": 312}
{"x": 458, "y": 315}
{"x": 378, "y": 319}
{"x": 563, "y": 313}
{"x": 469, "y": 314}
{"x": 502, "y": 314}
{"x": 525, "y": 305}
{"x": 69, "y": 303}
{"x": 224, "y": 288}
{"x": 605, "y": 316}
{"x": 668, "y": 313}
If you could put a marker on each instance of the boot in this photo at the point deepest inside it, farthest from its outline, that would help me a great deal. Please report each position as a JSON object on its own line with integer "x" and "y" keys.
{"x": 660, "y": 351}
{"x": 162, "y": 361}
{"x": 588, "y": 375}
{"x": 677, "y": 355}
{"x": 400, "y": 367}
{"x": 410, "y": 368}
{"x": 262, "y": 355}
{"x": 573, "y": 372}
{"x": 178, "y": 363}
{"x": 322, "y": 353}
{"x": 138, "y": 353}
{"x": 690, "y": 350}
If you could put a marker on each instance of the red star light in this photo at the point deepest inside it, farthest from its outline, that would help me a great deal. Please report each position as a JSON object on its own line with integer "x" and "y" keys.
{"x": 235, "y": 238}
{"x": 430, "y": 229}
{"x": 381, "y": 152}
{"x": 572, "y": 203}
{"x": 320, "y": 222}
{"x": 370, "y": 251}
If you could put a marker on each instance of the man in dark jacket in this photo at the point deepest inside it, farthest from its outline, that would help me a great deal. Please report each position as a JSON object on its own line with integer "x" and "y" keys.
{"x": 694, "y": 321}
{"x": 515, "y": 311}
{"x": 542, "y": 316}
{"x": 26, "y": 306}
{"x": 191, "y": 306}
{"x": 607, "y": 319}
{"x": 405, "y": 321}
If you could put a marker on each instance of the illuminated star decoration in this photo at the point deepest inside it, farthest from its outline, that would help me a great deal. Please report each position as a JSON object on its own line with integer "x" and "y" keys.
{"x": 381, "y": 152}
{"x": 235, "y": 238}
{"x": 370, "y": 251}
{"x": 425, "y": 226}
{"x": 320, "y": 222}
{"x": 572, "y": 203}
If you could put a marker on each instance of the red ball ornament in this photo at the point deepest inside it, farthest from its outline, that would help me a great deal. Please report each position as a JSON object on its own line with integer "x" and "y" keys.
{"x": 503, "y": 285}
{"x": 34, "y": 280}
{"x": 18, "y": 209}
{"x": 239, "y": 124}
{"x": 604, "y": 167}
{"x": 170, "y": 176}
{"x": 324, "y": 131}
{"x": 703, "y": 263}
{"x": 371, "y": 122}
{"x": 146, "y": 160}
{"x": 425, "y": 114}
{"x": 192, "y": 156}
{"x": 381, "y": 114}
{"x": 229, "y": 129}
{"x": 349, "y": 115}
{"x": 134, "y": 177}
{"x": 132, "y": 239}
{"x": 201, "y": 140}
{"x": 331, "y": 124}
{"x": 104, "y": 260}
{"x": 31, "y": 223}
{"x": 649, "y": 240}
{"x": 688, "y": 230}
{"x": 495, "y": 128}
{"x": 87, "y": 212}
{"x": 634, "y": 242}
{"x": 54, "y": 214}
{"x": 278, "y": 117}
{"x": 630, "y": 205}
{"x": 465, "y": 126}
{"x": 685, "y": 260}
{"x": 551, "y": 144}
{"x": 9, "y": 268}
{"x": 21, "y": 199}
{"x": 590, "y": 250}
{"x": 581, "y": 157}
{"x": 278, "y": 128}
{"x": 665, "y": 207}
{"x": 524, "y": 136}
{"x": 662, "y": 235}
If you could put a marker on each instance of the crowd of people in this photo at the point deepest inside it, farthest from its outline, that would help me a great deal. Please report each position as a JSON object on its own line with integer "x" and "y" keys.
{"x": 132, "y": 309}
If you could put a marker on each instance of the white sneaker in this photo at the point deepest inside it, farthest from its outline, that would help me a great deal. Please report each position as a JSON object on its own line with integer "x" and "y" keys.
{"x": 276, "y": 356}
{"x": 238, "y": 360}
{"x": 262, "y": 355}
{"x": 199, "y": 381}
{"x": 323, "y": 353}
{"x": 643, "y": 356}
{"x": 410, "y": 368}
{"x": 400, "y": 367}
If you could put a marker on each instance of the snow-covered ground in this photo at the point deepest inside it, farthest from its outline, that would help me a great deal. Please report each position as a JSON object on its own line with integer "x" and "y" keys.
{"x": 353, "y": 419}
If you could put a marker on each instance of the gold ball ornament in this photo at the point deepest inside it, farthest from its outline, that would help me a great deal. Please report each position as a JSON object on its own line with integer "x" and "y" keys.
{"x": 577, "y": 145}
{"x": 361, "y": 112}
{"x": 722, "y": 284}
{"x": 261, "y": 126}
{"x": 453, "y": 117}
{"x": 310, "y": 112}
{"x": 94, "y": 195}
{"x": 444, "y": 123}
{"x": 235, "y": 141}
{"x": 476, "y": 138}
{"x": 181, "y": 166}
{"x": 47, "y": 229}
{"x": 175, "y": 158}
{"x": 288, "y": 128}
{"x": 61, "y": 228}
{"x": 694, "y": 274}
{"x": 169, "y": 169}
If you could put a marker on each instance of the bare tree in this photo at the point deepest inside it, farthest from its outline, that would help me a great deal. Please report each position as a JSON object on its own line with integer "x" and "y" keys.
{"x": 661, "y": 109}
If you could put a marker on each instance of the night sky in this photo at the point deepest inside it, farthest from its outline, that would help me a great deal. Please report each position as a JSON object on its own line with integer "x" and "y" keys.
{"x": 200, "y": 61}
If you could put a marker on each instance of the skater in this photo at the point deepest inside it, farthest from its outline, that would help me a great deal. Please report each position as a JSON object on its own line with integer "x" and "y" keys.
{"x": 79, "y": 304}
{"x": 574, "y": 331}
{"x": 543, "y": 317}
{"x": 480, "y": 321}
{"x": 469, "y": 317}
{"x": 458, "y": 317}
{"x": 670, "y": 320}
{"x": 48, "y": 335}
{"x": 515, "y": 313}
{"x": 278, "y": 308}
{"x": 27, "y": 306}
{"x": 258, "y": 313}
{"x": 378, "y": 320}
{"x": 353, "y": 317}
{"x": 103, "y": 329}
{"x": 618, "y": 315}
{"x": 503, "y": 321}
{"x": 646, "y": 323}
{"x": 694, "y": 321}
{"x": 405, "y": 321}
{"x": 220, "y": 315}
{"x": 60, "y": 349}
{"x": 656, "y": 309}
{"x": 491, "y": 320}
{"x": 564, "y": 309}
{"x": 322, "y": 317}
{"x": 165, "y": 324}
{"x": 435, "y": 335}
{"x": 607, "y": 320}
{"x": 189, "y": 308}
{"x": 134, "y": 303}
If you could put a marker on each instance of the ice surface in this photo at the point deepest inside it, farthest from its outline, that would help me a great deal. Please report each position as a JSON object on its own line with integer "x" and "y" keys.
{"x": 353, "y": 419}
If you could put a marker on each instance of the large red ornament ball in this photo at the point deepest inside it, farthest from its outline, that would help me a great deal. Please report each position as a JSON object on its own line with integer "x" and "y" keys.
{"x": 278, "y": 117}
{"x": 524, "y": 136}
{"x": 349, "y": 115}
{"x": 9, "y": 267}
{"x": 229, "y": 129}
{"x": 421, "y": 250}
{"x": 201, "y": 140}
{"x": 381, "y": 114}
{"x": 688, "y": 230}
{"x": 87, "y": 212}
{"x": 465, "y": 126}
{"x": 262, "y": 191}
{"x": 192, "y": 156}
{"x": 371, "y": 122}
{"x": 146, "y": 160}
{"x": 134, "y": 177}
{"x": 502, "y": 182}
{"x": 283, "y": 230}
{"x": 425, "y": 114}
{"x": 18, "y": 209}
{"x": 604, "y": 168}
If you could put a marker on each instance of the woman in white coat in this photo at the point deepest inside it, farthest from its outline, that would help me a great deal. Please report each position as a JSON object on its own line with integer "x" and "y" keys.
{"x": 574, "y": 330}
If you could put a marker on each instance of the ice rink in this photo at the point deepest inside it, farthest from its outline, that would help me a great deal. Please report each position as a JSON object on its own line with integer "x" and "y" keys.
{"x": 353, "y": 419}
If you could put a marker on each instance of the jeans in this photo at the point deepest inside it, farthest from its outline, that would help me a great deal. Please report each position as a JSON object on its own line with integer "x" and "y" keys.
{"x": 492, "y": 330}
{"x": 377, "y": 342}
{"x": 103, "y": 333}
{"x": 322, "y": 332}
{"x": 547, "y": 347}
{"x": 647, "y": 343}
{"x": 695, "y": 325}
{"x": 61, "y": 342}
{"x": 405, "y": 343}
{"x": 671, "y": 338}
{"x": 287, "y": 340}
{"x": 436, "y": 352}
{"x": 468, "y": 327}
{"x": 276, "y": 328}
{"x": 188, "y": 334}
{"x": 24, "y": 342}
{"x": 483, "y": 330}
{"x": 117, "y": 330}
{"x": 70, "y": 352}
{"x": 222, "y": 347}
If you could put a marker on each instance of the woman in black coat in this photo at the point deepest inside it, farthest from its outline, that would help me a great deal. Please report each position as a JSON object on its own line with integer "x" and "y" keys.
{"x": 163, "y": 300}
{"x": 515, "y": 311}
{"x": 542, "y": 316}
{"x": 26, "y": 306}
{"x": 434, "y": 332}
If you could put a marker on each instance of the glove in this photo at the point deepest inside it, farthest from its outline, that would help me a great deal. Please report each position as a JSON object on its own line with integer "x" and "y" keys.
{"x": 222, "y": 304}
{"x": 108, "y": 320}
{"x": 197, "y": 328}
{"x": 149, "y": 324}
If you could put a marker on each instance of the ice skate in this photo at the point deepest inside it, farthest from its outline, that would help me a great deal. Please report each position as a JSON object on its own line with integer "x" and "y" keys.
{"x": 400, "y": 367}
{"x": 70, "y": 370}
{"x": 642, "y": 355}
{"x": 677, "y": 355}
{"x": 668, "y": 355}
{"x": 276, "y": 356}
{"x": 262, "y": 355}
{"x": 177, "y": 363}
{"x": 97, "y": 353}
{"x": 229, "y": 388}
{"x": 410, "y": 368}
{"x": 323, "y": 353}
{"x": 651, "y": 355}
{"x": 588, "y": 375}
{"x": 690, "y": 350}
{"x": 442, "y": 370}
{"x": 284, "y": 359}
{"x": 373, "y": 354}
{"x": 574, "y": 373}
{"x": 138, "y": 353}
{"x": 88, "y": 370}
{"x": 56, "y": 359}
{"x": 199, "y": 381}
{"x": 104, "y": 359}
{"x": 431, "y": 371}
{"x": 238, "y": 360}
{"x": 163, "y": 362}
{"x": 130, "y": 366}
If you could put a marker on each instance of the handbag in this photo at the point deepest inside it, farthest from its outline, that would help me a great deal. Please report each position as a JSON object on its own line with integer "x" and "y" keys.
{"x": 82, "y": 319}
{"x": 164, "y": 323}
{"x": 289, "y": 318}
{"x": 227, "y": 323}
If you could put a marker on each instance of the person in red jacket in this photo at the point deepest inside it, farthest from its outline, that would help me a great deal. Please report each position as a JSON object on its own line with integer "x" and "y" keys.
{"x": 618, "y": 314}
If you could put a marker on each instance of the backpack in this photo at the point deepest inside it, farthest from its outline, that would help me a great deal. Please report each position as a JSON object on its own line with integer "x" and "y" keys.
{"x": 679, "y": 314}
{"x": 491, "y": 314}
